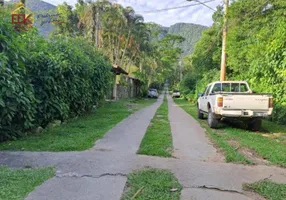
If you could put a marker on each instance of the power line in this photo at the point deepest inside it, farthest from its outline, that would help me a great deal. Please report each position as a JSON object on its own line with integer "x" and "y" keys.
{"x": 178, "y": 7}
{"x": 204, "y": 4}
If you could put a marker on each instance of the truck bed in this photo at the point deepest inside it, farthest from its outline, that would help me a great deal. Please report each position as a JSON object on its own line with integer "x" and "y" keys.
{"x": 245, "y": 101}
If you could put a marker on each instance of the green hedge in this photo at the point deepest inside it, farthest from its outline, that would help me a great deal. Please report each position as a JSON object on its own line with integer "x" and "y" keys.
{"x": 279, "y": 114}
{"x": 42, "y": 81}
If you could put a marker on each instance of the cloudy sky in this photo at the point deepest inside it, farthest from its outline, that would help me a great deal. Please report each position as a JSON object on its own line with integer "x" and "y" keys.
{"x": 198, "y": 14}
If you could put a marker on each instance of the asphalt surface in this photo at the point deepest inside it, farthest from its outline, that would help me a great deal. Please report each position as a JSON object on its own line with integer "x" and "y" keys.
{"x": 100, "y": 172}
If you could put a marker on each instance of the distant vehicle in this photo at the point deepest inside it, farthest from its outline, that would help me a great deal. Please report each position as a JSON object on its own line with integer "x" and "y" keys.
{"x": 152, "y": 93}
{"x": 234, "y": 100}
{"x": 176, "y": 94}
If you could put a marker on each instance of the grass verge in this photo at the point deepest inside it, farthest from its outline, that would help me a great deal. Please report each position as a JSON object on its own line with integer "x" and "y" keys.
{"x": 158, "y": 138}
{"x": 267, "y": 189}
{"x": 154, "y": 184}
{"x": 81, "y": 133}
{"x": 17, "y": 184}
{"x": 269, "y": 144}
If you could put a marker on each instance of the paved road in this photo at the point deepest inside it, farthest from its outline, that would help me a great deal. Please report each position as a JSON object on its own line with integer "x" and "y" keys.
{"x": 100, "y": 173}
{"x": 189, "y": 138}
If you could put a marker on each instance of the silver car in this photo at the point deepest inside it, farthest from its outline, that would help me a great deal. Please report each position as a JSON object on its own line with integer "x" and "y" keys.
{"x": 152, "y": 93}
{"x": 176, "y": 94}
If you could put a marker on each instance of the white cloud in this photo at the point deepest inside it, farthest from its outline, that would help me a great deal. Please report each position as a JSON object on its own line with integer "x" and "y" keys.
{"x": 198, "y": 14}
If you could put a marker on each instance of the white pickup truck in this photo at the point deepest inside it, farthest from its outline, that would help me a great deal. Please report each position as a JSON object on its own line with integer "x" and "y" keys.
{"x": 234, "y": 99}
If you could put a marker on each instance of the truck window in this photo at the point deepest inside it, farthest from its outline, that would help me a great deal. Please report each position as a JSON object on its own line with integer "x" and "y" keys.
{"x": 208, "y": 91}
{"x": 234, "y": 87}
{"x": 226, "y": 87}
{"x": 204, "y": 93}
{"x": 216, "y": 88}
{"x": 243, "y": 87}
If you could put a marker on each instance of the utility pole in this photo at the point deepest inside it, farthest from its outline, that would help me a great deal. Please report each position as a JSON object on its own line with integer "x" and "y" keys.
{"x": 224, "y": 37}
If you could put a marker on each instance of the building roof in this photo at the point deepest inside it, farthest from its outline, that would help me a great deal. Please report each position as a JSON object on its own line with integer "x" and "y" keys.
{"x": 118, "y": 70}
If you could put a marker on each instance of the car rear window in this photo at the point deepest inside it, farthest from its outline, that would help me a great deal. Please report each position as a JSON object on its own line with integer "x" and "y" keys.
{"x": 243, "y": 87}
{"x": 230, "y": 87}
{"x": 226, "y": 87}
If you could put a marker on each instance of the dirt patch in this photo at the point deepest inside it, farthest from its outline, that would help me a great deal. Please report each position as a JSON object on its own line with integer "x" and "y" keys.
{"x": 170, "y": 150}
{"x": 235, "y": 144}
{"x": 248, "y": 153}
{"x": 220, "y": 132}
{"x": 217, "y": 158}
{"x": 278, "y": 137}
{"x": 252, "y": 155}
{"x": 253, "y": 195}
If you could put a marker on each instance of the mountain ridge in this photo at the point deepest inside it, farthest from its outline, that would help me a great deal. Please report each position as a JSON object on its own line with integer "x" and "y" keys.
{"x": 190, "y": 31}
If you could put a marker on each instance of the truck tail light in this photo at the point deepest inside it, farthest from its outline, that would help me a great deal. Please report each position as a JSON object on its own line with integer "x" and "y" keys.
{"x": 270, "y": 102}
{"x": 219, "y": 101}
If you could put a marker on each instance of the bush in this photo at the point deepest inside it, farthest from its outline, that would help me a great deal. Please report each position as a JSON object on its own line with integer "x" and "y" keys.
{"x": 17, "y": 101}
{"x": 279, "y": 114}
{"x": 187, "y": 85}
{"x": 42, "y": 81}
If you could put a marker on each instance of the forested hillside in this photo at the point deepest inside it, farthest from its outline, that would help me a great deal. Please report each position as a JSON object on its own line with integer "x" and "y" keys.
{"x": 191, "y": 32}
{"x": 35, "y": 5}
{"x": 256, "y": 51}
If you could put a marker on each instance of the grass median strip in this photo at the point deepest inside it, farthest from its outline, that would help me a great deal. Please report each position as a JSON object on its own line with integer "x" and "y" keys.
{"x": 152, "y": 184}
{"x": 269, "y": 144}
{"x": 81, "y": 133}
{"x": 17, "y": 184}
{"x": 158, "y": 138}
{"x": 267, "y": 189}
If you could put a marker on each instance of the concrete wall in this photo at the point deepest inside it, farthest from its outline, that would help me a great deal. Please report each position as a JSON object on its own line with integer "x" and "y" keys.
{"x": 130, "y": 89}
{"x": 122, "y": 92}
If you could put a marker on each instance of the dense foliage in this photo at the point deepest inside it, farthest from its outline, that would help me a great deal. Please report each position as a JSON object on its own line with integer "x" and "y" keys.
{"x": 42, "y": 80}
{"x": 124, "y": 38}
{"x": 256, "y": 51}
{"x": 65, "y": 76}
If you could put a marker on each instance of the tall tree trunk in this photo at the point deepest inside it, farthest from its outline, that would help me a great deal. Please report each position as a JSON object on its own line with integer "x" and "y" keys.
{"x": 110, "y": 49}
{"x": 118, "y": 46}
{"x": 126, "y": 44}
{"x": 93, "y": 24}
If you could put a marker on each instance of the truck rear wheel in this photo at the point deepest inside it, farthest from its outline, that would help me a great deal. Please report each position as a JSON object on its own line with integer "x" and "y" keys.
{"x": 200, "y": 114}
{"x": 212, "y": 121}
{"x": 255, "y": 124}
